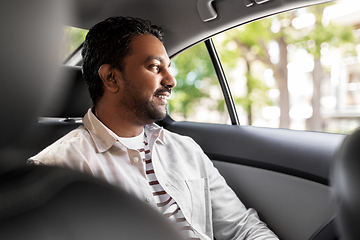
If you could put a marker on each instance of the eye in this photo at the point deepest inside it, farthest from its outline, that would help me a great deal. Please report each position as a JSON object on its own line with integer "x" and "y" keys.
{"x": 154, "y": 67}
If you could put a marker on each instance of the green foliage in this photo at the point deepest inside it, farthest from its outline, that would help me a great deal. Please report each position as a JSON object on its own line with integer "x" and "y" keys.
{"x": 73, "y": 38}
{"x": 252, "y": 44}
{"x": 248, "y": 42}
{"x": 256, "y": 98}
{"x": 246, "y": 47}
{"x": 194, "y": 74}
{"x": 334, "y": 35}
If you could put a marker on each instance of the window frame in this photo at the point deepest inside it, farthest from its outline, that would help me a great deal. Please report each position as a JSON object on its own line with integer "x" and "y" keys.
{"x": 229, "y": 101}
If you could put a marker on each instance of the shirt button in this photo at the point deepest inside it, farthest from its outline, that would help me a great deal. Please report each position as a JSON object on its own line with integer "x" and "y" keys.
{"x": 148, "y": 200}
{"x": 136, "y": 159}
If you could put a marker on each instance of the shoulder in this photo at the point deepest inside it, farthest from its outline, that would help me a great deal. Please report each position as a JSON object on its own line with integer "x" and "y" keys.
{"x": 77, "y": 140}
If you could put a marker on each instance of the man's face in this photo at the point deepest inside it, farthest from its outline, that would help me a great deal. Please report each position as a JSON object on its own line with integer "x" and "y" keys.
{"x": 146, "y": 81}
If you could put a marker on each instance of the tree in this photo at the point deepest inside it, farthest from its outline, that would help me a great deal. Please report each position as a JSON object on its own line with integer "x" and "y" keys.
{"x": 313, "y": 39}
{"x": 194, "y": 72}
{"x": 253, "y": 41}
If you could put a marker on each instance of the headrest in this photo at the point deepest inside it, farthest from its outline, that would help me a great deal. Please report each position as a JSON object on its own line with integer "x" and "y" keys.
{"x": 69, "y": 97}
{"x": 345, "y": 180}
{"x": 29, "y": 49}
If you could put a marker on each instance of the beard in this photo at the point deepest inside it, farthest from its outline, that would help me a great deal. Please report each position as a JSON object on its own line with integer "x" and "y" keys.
{"x": 145, "y": 111}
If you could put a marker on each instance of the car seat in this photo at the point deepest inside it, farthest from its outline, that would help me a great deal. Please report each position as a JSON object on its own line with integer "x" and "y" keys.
{"x": 40, "y": 202}
{"x": 345, "y": 180}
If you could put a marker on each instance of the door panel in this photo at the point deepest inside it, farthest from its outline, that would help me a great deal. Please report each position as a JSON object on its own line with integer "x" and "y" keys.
{"x": 292, "y": 207}
{"x": 283, "y": 174}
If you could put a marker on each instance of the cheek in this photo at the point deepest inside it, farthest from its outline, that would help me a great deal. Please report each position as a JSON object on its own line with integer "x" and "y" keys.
{"x": 145, "y": 82}
{"x": 149, "y": 84}
{"x": 144, "y": 90}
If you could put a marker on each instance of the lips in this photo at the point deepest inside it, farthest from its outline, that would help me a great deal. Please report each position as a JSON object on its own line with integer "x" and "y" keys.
{"x": 163, "y": 93}
{"x": 162, "y": 96}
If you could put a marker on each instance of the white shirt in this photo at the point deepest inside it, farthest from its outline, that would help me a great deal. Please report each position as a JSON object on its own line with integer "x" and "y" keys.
{"x": 184, "y": 171}
{"x": 166, "y": 205}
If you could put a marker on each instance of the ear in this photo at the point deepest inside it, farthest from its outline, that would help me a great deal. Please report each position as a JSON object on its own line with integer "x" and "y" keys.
{"x": 108, "y": 75}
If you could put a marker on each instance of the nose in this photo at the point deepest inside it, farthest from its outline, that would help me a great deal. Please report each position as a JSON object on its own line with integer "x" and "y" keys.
{"x": 168, "y": 79}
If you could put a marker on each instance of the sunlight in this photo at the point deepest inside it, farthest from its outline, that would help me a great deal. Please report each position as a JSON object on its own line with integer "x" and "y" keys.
{"x": 304, "y": 21}
{"x": 342, "y": 8}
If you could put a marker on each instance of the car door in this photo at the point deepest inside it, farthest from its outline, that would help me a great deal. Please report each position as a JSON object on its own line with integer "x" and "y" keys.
{"x": 282, "y": 173}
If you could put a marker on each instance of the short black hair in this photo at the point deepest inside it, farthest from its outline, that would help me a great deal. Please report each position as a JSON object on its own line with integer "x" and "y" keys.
{"x": 109, "y": 42}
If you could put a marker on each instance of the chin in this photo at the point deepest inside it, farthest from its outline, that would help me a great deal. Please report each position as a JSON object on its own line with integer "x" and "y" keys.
{"x": 150, "y": 112}
{"x": 158, "y": 115}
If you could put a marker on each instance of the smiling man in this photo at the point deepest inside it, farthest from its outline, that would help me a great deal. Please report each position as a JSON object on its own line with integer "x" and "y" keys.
{"x": 126, "y": 68}
{"x": 137, "y": 95}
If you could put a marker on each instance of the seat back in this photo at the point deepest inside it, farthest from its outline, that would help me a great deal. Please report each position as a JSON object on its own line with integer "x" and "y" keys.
{"x": 39, "y": 202}
{"x": 346, "y": 183}
{"x": 70, "y": 97}
{"x": 67, "y": 102}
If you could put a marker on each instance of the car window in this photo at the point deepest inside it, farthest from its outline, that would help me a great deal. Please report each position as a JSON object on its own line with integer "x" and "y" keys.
{"x": 297, "y": 70}
{"x": 73, "y": 38}
{"x": 197, "y": 95}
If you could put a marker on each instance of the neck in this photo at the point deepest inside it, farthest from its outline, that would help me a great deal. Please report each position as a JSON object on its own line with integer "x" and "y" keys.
{"x": 122, "y": 123}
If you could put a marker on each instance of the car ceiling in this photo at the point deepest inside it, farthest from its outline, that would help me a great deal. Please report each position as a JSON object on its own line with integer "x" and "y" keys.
{"x": 180, "y": 19}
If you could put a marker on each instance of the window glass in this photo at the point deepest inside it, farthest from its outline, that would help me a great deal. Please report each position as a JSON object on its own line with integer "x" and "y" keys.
{"x": 73, "y": 38}
{"x": 197, "y": 95}
{"x": 297, "y": 70}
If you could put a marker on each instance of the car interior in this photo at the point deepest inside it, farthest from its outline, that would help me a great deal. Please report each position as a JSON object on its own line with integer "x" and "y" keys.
{"x": 41, "y": 202}
{"x": 283, "y": 174}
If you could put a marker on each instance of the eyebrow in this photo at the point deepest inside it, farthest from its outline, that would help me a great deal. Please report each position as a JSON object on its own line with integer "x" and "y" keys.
{"x": 160, "y": 59}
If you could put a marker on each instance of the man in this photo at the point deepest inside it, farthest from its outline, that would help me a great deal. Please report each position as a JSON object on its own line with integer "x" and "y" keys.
{"x": 126, "y": 68}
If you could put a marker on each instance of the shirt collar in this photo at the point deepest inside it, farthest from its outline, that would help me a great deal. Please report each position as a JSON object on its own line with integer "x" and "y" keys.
{"x": 104, "y": 138}
{"x": 154, "y": 133}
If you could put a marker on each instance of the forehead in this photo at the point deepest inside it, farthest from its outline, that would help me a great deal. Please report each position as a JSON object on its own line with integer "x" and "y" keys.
{"x": 146, "y": 48}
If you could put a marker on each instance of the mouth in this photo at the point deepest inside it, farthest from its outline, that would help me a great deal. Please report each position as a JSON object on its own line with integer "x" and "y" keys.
{"x": 165, "y": 97}
{"x": 163, "y": 94}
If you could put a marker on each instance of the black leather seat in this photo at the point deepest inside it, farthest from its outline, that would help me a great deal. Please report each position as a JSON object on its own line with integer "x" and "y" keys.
{"x": 54, "y": 203}
{"x": 39, "y": 202}
{"x": 326, "y": 231}
{"x": 346, "y": 183}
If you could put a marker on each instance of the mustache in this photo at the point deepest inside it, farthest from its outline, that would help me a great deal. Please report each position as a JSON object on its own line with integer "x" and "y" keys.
{"x": 163, "y": 90}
